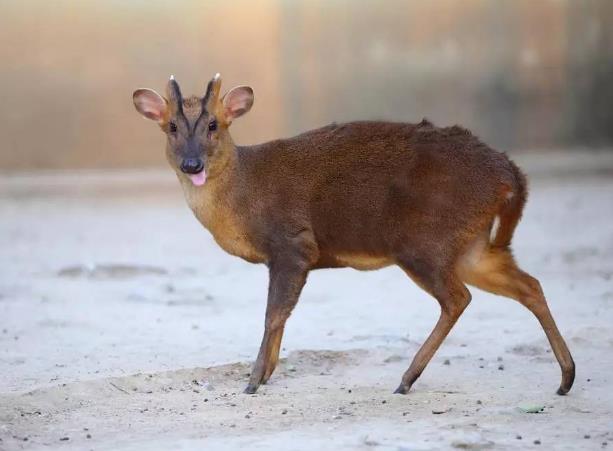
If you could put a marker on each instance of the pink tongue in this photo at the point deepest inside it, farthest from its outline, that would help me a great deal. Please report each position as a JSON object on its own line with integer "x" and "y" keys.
{"x": 198, "y": 179}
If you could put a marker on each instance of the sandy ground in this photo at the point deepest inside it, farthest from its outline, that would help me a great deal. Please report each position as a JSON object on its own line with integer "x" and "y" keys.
{"x": 123, "y": 326}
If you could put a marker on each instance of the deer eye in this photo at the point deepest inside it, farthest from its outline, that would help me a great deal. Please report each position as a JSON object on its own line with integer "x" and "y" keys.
{"x": 213, "y": 125}
{"x": 172, "y": 127}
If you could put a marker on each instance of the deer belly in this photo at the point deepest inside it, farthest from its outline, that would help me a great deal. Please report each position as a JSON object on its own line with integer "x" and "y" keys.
{"x": 362, "y": 262}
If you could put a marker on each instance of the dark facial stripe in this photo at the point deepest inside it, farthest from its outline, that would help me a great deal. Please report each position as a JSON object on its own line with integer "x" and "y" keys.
{"x": 176, "y": 98}
{"x": 205, "y": 101}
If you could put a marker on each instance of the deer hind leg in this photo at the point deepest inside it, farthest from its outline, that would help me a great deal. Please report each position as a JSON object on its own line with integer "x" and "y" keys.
{"x": 453, "y": 297}
{"x": 496, "y": 272}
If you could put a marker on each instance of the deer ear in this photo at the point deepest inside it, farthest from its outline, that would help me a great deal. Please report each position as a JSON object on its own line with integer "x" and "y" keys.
{"x": 150, "y": 104}
{"x": 237, "y": 102}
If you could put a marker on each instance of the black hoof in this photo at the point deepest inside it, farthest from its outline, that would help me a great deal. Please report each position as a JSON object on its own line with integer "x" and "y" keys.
{"x": 562, "y": 391}
{"x": 401, "y": 390}
{"x": 568, "y": 377}
{"x": 250, "y": 389}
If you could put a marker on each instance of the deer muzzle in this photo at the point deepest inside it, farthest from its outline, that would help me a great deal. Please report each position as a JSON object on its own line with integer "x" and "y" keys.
{"x": 194, "y": 168}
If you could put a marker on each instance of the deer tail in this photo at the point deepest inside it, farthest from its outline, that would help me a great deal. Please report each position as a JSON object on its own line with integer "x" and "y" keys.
{"x": 512, "y": 205}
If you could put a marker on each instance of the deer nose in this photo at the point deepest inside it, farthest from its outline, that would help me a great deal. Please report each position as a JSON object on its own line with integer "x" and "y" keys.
{"x": 192, "y": 165}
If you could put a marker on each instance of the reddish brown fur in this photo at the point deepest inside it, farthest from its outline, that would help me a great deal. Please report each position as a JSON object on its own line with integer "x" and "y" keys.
{"x": 368, "y": 195}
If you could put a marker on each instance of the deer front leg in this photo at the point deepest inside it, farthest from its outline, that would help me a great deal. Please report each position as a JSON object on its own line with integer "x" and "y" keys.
{"x": 287, "y": 277}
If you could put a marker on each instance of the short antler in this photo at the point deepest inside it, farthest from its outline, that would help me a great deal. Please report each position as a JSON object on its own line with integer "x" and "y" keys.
{"x": 174, "y": 94}
{"x": 212, "y": 92}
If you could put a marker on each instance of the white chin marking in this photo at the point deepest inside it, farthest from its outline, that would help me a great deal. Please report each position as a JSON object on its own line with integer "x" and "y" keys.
{"x": 198, "y": 179}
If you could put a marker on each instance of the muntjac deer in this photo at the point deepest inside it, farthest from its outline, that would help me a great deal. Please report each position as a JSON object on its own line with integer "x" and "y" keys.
{"x": 363, "y": 195}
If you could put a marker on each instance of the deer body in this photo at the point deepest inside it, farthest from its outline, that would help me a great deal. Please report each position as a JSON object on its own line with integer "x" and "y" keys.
{"x": 363, "y": 195}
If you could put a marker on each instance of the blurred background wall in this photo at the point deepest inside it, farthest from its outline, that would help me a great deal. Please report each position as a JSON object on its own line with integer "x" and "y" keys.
{"x": 523, "y": 74}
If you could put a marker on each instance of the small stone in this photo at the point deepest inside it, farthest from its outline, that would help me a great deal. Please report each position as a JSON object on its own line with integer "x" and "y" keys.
{"x": 247, "y": 416}
{"x": 499, "y": 359}
{"x": 383, "y": 402}
{"x": 587, "y": 436}
{"x": 537, "y": 442}
{"x": 64, "y": 439}
{"x": 479, "y": 401}
{"x": 88, "y": 436}
{"x": 284, "y": 411}
{"x": 446, "y": 362}
{"x": 518, "y": 437}
{"x": 337, "y": 417}
{"x": 500, "y": 367}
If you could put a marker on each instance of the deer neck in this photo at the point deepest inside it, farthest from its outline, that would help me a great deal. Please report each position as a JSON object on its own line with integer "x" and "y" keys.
{"x": 212, "y": 197}
{"x": 216, "y": 204}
